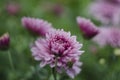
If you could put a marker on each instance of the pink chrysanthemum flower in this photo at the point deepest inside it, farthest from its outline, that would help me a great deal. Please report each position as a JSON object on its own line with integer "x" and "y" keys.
{"x": 4, "y": 41}
{"x": 87, "y": 27}
{"x": 108, "y": 36}
{"x": 107, "y": 13}
{"x": 37, "y": 26}
{"x": 58, "y": 49}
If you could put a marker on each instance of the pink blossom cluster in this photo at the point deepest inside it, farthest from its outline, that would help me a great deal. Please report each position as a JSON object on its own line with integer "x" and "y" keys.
{"x": 58, "y": 48}
{"x": 107, "y": 11}
{"x": 101, "y": 35}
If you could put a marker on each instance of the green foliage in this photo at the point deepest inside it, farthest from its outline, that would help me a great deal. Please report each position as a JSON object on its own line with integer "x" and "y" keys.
{"x": 102, "y": 65}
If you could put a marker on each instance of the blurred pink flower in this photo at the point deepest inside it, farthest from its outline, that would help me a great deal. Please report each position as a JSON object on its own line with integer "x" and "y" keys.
{"x": 113, "y": 1}
{"x": 58, "y": 46}
{"x": 87, "y": 27}
{"x": 13, "y": 8}
{"x": 105, "y": 12}
{"x": 102, "y": 37}
{"x": 117, "y": 2}
{"x": 108, "y": 36}
{"x": 37, "y": 26}
{"x": 57, "y": 9}
{"x": 4, "y": 41}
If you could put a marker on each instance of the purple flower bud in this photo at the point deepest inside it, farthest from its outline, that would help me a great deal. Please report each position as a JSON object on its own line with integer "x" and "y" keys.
{"x": 37, "y": 26}
{"x": 4, "y": 41}
{"x": 89, "y": 30}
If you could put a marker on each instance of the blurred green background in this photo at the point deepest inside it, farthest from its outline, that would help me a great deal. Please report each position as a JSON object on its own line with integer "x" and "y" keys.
{"x": 98, "y": 63}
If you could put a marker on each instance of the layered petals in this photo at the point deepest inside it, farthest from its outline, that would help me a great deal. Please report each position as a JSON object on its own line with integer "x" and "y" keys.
{"x": 58, "y": 46}
{"x": 37, "y": 26}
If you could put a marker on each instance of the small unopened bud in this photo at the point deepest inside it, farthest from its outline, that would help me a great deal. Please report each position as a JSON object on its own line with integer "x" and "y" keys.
{"x": 4, "y": 41}
{"x": 89, "y": 30}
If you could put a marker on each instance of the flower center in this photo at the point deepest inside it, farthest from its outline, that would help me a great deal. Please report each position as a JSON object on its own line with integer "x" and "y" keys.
{"x": 58, "y": 45}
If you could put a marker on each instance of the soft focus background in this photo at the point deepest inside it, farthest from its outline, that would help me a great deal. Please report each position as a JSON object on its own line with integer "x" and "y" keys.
{"x": 99, "y": 63}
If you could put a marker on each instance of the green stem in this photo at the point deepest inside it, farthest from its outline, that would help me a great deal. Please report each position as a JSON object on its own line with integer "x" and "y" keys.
{"x": 10, "y": 60}
{"x": 37, "y": 71}
{"x": 54, "y": 70}
{"x": 54, "y": 73}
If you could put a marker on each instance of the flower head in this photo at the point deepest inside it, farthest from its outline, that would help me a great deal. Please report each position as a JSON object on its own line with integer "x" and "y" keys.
{"x": 87, "y": 27}
{"x": 58, "y": 46}
{"x": 37, "y": 26}
{"x": 106, "y": 12}
{"x": 4, "y": 41}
